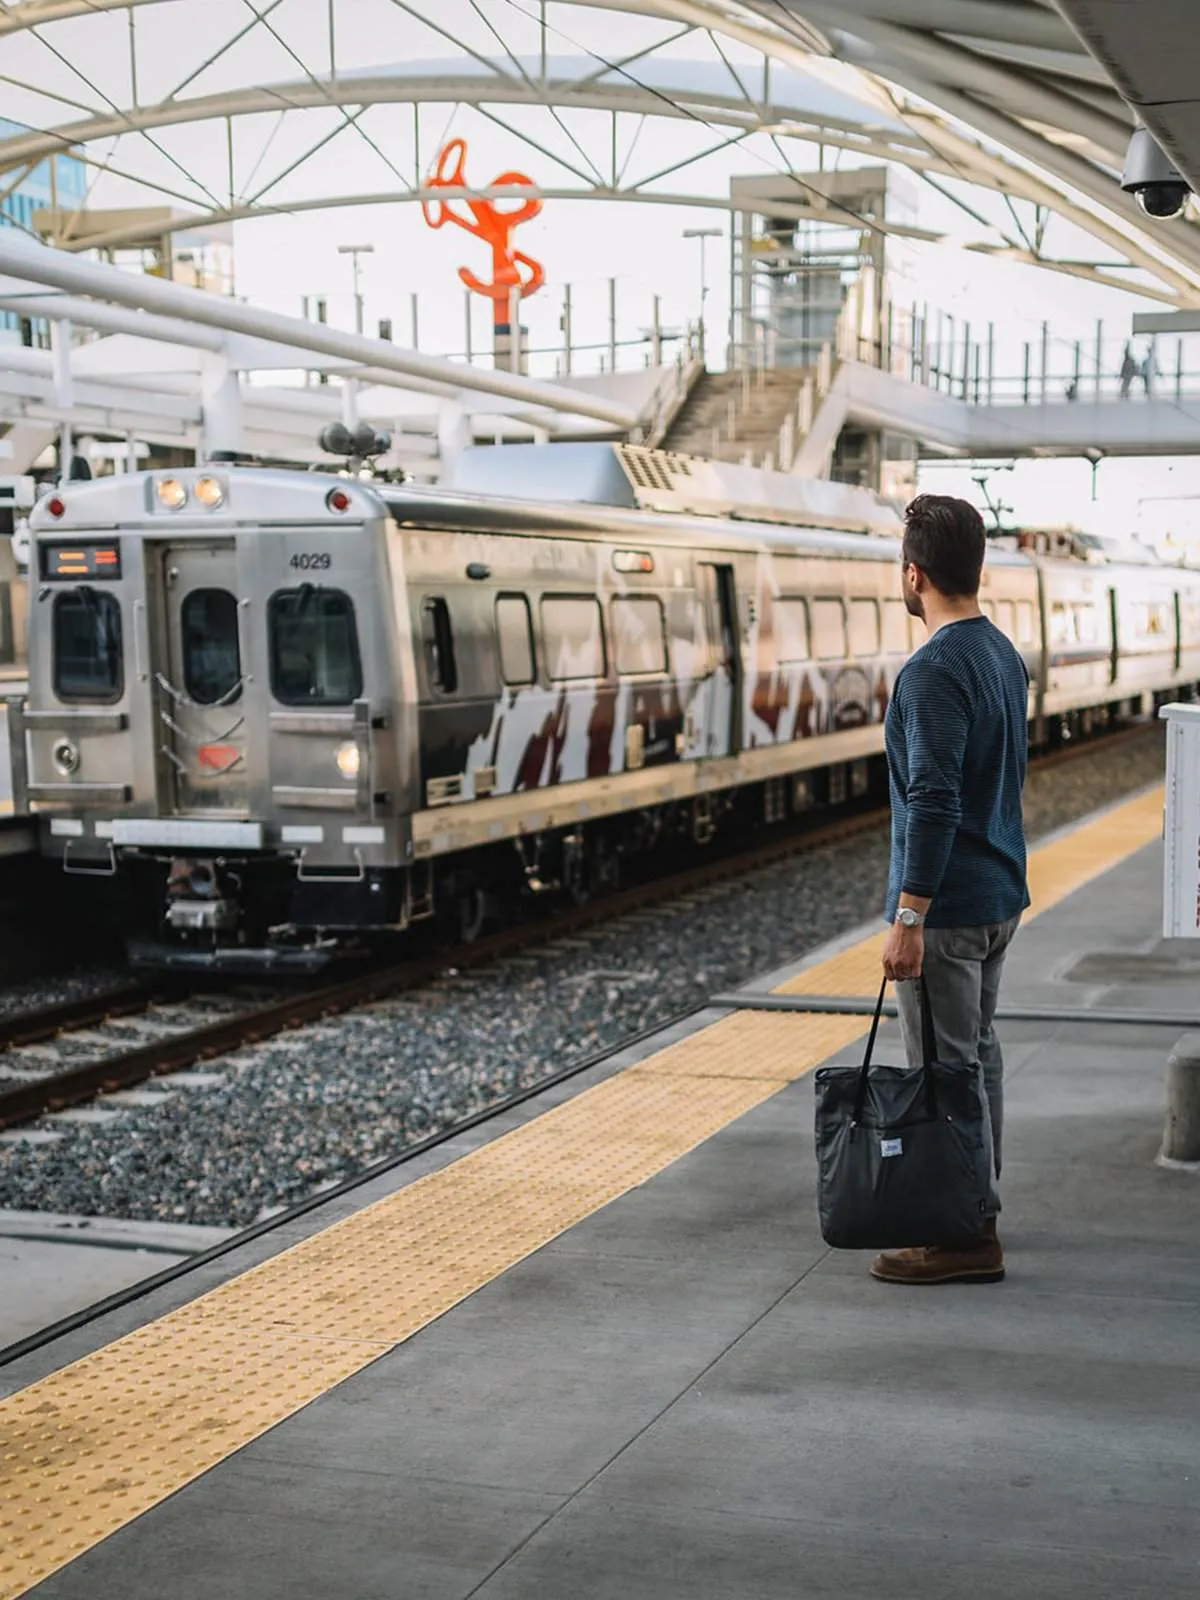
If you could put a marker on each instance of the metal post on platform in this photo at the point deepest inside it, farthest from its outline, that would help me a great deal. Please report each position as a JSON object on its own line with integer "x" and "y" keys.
{"x": 1099, "y": 354}
{"x": 936, "y": 364}
{"x": 953, "y": 346}
{"x": 966, "y": 367}
{"x": 566, "y": 329}
{"x": 1045, "y": 358}
{"x": 925, "y": 344}
{"x": 656, "y": 333}
{"x": 1025, "y": 379}
{"x": 612, "y": 324}
{"x": 1078, "y": 373}
{"x": 416, "y": 328}
{"x": 1178, "y": 368}
{"x": 978, "y": 370}
{"x": 991, "y": 360}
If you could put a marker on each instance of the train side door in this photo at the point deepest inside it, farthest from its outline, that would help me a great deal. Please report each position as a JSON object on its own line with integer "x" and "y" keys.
{"x": 198, "y": 681}
{"x": 720, "y": 702}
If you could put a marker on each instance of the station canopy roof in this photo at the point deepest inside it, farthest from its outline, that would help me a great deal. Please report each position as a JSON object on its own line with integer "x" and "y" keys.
{"x": 235, "y": 109}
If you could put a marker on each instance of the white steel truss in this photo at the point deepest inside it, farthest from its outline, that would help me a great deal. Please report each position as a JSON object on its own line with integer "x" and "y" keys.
{"x": 995, "y": 95}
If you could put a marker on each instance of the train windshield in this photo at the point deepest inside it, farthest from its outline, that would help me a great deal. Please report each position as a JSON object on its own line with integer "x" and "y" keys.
{"x": 87, "y": 645}
{"x": 314, "y": 647}
{"x": 212, "y": 662}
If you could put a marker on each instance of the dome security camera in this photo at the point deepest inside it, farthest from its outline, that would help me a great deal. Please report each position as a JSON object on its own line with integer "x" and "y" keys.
{"x": 1153, "y": 179}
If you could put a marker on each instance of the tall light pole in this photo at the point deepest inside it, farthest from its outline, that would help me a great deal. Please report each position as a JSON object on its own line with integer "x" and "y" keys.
{"x": 349, "y": 385}
{"x": 356, "y": 250}
{"x": 703, "y": 234}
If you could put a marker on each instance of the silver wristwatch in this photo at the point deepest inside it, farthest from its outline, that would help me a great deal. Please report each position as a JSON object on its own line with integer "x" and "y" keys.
{"x": 909, "y": 918}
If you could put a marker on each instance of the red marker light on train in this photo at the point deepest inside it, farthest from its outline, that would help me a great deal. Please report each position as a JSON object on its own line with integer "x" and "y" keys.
{"x": 55, "y": 506}
{"x": 337, "y": 500}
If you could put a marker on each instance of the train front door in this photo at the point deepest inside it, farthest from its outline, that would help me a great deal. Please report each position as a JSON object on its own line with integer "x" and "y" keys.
{"x": 717, "y": 723}
{"x": 201, "y": 717}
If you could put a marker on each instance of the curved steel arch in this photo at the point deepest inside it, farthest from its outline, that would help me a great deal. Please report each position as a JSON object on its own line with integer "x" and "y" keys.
{"x": 1014, "y": 74}
{"x": 249, "y": 213}
{"x": 438, "y": 84}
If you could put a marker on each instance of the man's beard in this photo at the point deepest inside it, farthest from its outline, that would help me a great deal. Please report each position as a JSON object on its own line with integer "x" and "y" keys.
{"x": 913, "y": 602}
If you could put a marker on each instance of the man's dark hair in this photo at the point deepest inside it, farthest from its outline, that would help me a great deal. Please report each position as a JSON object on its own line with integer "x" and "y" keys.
{"x": 945, "y": 538}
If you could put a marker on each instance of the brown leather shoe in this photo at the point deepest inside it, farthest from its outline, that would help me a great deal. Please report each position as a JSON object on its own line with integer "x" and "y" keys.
{"x": 977, "y": 1263}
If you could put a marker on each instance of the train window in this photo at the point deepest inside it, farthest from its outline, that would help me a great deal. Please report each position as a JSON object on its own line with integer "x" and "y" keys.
{"x": 1085, "y": 624}
{"x": 87, "y": 645}
{"x": 829, "y": 630}
{"x": 1006, "y": 618}
{"x": 514, "y": 631}
{"x": 895, "y": 628}
{"x": 314, "y": 647}
{"x": 791, "y": 631}
{"x": 988, "y": 610}
{"x": 864, "y": 628}
{"x": 212, "y": 662}
{"x": 437, "y": 637}
{"x": 639, "y": 634}
{"x": 573, "y": 630}
{"x": 1061, "y": 630}
{"x": 1025, "y": 628}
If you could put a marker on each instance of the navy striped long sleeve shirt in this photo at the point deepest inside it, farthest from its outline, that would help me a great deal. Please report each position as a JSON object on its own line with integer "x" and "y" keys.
{"x": 956, "y": 749}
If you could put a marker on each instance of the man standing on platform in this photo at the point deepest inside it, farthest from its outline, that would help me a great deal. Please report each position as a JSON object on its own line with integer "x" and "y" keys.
{"x": 956, "y": 747}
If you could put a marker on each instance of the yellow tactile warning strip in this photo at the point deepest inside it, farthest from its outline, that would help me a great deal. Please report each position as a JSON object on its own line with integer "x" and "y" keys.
{"x": 90, "y": 1448}
{"x": 1055, "y": 871}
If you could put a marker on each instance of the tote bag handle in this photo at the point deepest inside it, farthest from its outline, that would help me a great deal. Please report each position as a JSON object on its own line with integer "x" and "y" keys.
{"x": 928, "y": 1051}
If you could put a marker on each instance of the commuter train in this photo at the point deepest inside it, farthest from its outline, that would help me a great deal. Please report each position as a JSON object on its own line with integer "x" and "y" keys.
{"x": 282, "y": 711}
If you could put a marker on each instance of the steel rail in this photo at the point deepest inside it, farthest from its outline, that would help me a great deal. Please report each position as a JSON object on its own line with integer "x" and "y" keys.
{"x": 57, "y": 1091}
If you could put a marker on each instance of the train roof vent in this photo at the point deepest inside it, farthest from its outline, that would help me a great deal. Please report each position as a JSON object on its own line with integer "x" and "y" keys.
{"x": 664, "y": 481}
{"x": 630, "y": 476}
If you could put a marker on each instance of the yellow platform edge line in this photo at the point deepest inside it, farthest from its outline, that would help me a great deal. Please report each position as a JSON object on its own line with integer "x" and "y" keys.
{"x": 1056, "y": 869}
{"x": 88, "y": 1449}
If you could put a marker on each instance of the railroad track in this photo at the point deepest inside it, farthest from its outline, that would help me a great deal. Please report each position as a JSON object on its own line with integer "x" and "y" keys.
{"x": 171, "y": 1040}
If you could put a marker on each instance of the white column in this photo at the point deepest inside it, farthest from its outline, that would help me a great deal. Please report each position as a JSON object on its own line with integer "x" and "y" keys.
{"x": 60, "y": 350}
{"x": 221, "y": 398}
{"x": 454, "y": 436}
{"x": 350, "y": 403}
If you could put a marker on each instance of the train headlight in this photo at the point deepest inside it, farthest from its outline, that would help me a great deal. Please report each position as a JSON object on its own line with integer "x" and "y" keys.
{"x": 65, "y": 756}
{"x": 348, "y": 759}
{"x": 171, "y": 493}
{"x": 210, "y": 492}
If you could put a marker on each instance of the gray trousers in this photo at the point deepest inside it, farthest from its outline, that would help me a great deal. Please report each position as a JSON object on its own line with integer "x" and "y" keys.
{"x": 961, "y": 973}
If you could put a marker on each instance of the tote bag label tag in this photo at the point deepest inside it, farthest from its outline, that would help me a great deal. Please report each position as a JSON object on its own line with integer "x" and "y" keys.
{"x": 891, "y": 1147}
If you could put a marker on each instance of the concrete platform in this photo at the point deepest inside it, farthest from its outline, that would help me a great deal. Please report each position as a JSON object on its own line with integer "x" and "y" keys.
{"x": 53, "y": 1265}
{"x": 687, "y": 1396}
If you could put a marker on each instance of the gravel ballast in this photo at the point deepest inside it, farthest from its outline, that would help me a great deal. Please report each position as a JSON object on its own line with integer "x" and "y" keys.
{"x": 266, "y": 1126}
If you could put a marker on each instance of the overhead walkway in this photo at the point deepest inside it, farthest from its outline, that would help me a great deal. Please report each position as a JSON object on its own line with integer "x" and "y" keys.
{"x": 1161, "y": 424}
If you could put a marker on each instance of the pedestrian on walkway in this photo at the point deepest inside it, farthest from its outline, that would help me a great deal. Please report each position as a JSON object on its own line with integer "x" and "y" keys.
{"x": 1129, "y": 371}
{"x": 956, "y": 748}
{"x": 1148, "y": 370}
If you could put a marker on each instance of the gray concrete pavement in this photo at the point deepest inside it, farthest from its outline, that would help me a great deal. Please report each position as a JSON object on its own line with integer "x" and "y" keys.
{"x": 688, "y": 1397}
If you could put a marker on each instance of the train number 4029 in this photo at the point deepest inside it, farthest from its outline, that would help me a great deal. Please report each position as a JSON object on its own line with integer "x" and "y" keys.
{"x": 311, "y": 561}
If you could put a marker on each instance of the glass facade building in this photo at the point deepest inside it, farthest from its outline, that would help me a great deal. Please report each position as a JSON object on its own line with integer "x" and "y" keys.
{"x": 65, "y": 187}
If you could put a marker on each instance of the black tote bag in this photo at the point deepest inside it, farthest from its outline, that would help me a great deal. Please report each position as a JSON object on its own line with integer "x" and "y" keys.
{"x": 904, "y": 1154}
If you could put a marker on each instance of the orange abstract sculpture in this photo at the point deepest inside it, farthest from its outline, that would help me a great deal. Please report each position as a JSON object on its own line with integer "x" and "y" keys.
{"x": 491, "y": 224}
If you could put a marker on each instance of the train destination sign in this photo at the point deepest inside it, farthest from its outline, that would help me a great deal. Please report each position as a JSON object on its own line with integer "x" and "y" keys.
{"x": 67, "y": 562}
